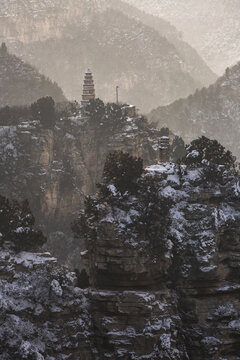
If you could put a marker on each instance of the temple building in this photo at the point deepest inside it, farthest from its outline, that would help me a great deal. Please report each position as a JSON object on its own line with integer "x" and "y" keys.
{"x": 130, "y": 110}
{"x": 88, "y": 88}
{"x": 164, "y": 149}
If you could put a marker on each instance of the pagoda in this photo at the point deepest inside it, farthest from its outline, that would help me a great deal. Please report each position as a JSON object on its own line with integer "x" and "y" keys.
{"x": 88, "y": 88}
{"x": 164, "y": 149}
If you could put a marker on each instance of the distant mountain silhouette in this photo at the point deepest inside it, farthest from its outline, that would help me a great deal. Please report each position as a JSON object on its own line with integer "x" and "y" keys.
{"x": 120, "y": 51}
{"x": 213, "y": 112}
{"x": 22, "y": 84}
{"x": 212, "y": 27}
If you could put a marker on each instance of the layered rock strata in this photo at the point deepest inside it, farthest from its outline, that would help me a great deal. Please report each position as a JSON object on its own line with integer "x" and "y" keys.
{"x": 163, "y": 292}
{"x": 189, "y": 281}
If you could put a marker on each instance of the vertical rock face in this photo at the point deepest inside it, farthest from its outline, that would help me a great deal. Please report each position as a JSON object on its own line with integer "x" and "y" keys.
{"x": 135, "y": 314}
{"x": 162, "y": 286}
{"x": 56, "y": 168}
{"x": 175, "y": 296}
{"x": 137, "y": 325}
{"x": 33, "y": 20}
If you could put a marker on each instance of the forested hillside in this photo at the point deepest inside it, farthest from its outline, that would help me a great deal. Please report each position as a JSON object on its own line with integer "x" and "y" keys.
{"x": 213, "y": 111}
{"x": 21, "y": 83}
{"x": 193, "y": 62}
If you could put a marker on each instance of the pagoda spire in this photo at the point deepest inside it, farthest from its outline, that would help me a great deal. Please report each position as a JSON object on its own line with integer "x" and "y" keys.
{"x": 88, "y": 88}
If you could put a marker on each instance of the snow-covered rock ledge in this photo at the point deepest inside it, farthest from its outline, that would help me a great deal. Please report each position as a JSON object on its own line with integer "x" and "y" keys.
{"x": 43, "y": 315}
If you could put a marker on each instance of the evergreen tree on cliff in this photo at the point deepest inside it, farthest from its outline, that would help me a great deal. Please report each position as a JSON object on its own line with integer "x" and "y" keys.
{"x": 3, "y": 49}
{"x": 17, "y": 226}
{"x": 216, "y": 162}
{"x": 44, "y": 110}
{"x": 122, "y": 170}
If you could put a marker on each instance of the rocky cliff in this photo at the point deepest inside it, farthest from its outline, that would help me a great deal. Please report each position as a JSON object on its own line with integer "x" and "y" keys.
{"x": 43, "y": 315}
{"x": 55, "y": 168}
{"x": 171, "y": 292}
{"x": 161, "y": 287}
{"x": 33, "y": 20}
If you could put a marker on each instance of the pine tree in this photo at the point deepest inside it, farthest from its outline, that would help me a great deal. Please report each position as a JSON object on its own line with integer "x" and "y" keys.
{"x": 122, "y": 170}
{"x": 17, "y": 226}
{"x": 44, "y": 110}
{"x": 216, "y": 162}
{"x": 3, "y": 49}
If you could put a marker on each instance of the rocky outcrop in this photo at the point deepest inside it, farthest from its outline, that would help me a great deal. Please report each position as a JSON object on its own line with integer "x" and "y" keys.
{"x": 43, "y": 314}
{"x": 183, "y": 291}
{"x": 137, "y": 325}
{"x": 56, "y": 168}
{"x": 156, "y": 292}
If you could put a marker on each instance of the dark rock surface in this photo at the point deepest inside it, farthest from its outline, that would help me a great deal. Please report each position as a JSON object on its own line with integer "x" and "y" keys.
{"x": 192, "y": 275}
{"x": 171, "y": 293}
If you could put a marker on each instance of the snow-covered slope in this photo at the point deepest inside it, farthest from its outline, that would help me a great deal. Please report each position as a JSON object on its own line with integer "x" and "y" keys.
{"x": 22, "y": 84}
{"x": 44, "y": 315}
{"x": 213, "y": 112}
{"x": 210, "y": 26}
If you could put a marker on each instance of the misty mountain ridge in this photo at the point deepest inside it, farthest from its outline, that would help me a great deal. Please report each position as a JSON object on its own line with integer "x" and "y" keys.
{"x": 22, "y": 84}
{"x": 212, "y": 27}
{"x": 214, "y": 112}
{"x": 195, "y": 65}
{"x": 120, "y": 51}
